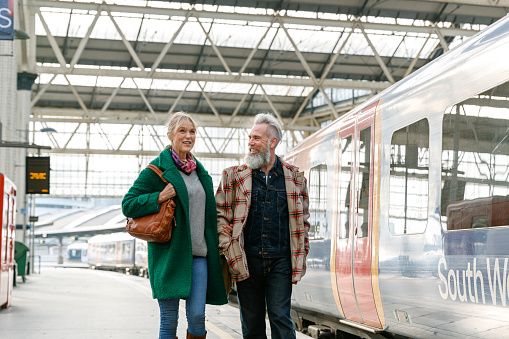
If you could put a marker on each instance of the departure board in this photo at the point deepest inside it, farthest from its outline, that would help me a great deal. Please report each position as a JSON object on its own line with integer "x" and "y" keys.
{"x": 37, "y": 175}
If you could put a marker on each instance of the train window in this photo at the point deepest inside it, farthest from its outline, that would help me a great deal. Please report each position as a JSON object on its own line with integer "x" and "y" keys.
{"x": 13, "y": 210}
{"x": 126, "y": 249}
{"x": 475, "y": 154}
{"x": 408, "y": 181}
{"x": 363, "y": 182}
{"x": 344, "y": 187}
{"x": 3, "y": 231}
{"x": 318, "y": 201}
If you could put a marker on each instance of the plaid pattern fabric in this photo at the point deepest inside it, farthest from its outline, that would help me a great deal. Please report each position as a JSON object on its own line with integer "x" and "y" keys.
{"x": 236, "y": 212}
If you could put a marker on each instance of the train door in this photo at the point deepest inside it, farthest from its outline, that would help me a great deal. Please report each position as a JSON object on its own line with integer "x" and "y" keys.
{"x": 3, "y": 244}
{"x": 353, "y": 235}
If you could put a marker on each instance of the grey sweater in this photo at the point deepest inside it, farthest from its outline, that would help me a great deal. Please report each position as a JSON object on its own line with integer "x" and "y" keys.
{"x": 196, "y": 195}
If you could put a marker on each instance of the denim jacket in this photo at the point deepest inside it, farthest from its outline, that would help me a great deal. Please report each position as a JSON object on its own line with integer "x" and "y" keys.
{"x": 266, "y": 233}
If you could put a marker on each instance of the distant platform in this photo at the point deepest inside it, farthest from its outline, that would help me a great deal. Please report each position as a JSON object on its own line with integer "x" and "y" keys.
{"x": 81, "y": 303}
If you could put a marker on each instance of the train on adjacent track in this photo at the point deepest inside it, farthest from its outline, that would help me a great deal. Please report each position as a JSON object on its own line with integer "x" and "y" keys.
{"x": 7, "y": 228}
{"x": 409, "y": 203}
{"x": 77, "y": 252}
{"x": 118, "y": 252}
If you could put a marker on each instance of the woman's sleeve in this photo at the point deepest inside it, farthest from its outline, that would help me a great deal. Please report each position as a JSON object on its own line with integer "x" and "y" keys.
{"x": 141, "y": 199}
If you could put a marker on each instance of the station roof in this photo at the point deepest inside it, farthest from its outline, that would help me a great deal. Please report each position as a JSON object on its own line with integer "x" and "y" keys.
{"x": 81, "y": 222}
{"x": 303, "y": 60}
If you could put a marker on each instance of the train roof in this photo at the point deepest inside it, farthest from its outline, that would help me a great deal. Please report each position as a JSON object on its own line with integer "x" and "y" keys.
{"x": 8, "y": 182}
{"x": 119, "y": 236}
{"x": 443, "y": 68}
{"x": 77, "y": 245}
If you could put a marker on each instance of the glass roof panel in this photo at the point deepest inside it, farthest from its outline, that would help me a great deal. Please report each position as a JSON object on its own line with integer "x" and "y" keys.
{"x": 62, "y": 18}
{"x": 191, "y": 34}
{"x": 228, "y": 33}
{"x": 412, "y": 45}
{"x": 105, "y": 29}
{"x": 80, "y": 23}
{"x": 159, "y": 30}
{"x": 357, "y": 44}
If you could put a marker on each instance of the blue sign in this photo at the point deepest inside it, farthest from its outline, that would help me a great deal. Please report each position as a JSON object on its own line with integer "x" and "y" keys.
{"x": 6, "y": 19}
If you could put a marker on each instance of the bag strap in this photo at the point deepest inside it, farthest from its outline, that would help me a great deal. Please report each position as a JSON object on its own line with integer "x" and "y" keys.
{"x": 158, "y": 172}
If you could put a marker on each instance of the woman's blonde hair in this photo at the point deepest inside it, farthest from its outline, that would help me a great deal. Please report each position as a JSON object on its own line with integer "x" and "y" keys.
{"x": 176, "y": 120}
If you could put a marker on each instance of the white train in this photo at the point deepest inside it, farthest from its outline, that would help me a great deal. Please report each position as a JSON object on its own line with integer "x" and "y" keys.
{"x": 118, "y": 252}
{"x": 409, "y": 204}
{"x": 77, "y": 252}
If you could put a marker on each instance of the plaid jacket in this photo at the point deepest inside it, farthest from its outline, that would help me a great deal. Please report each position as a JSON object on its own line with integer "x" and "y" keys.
{"x": 233, "y": 246}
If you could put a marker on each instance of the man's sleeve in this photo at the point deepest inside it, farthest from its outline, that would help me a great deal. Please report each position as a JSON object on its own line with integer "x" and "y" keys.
{"x": 306, "y": 215}
{"x": 224, "y": 195}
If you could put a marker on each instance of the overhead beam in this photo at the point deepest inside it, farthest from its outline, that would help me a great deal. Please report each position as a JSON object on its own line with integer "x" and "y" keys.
{"x": 166, "y": 47}
{"x": 84, "y": 41}
{"x": 84, "y": 151}
{"x": 378, "y": 58}
{"x": 488, "y": 3}
{"x": 304, "y": 63}
{"x": 265, "y": 18}
{"x": 243, "y": 79}
{"x": 72, "y": 115}
{"x": 214, "y": 47}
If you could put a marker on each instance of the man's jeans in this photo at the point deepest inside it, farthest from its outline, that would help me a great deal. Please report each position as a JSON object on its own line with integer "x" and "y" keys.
{"x": 195, "y": 305}
{"x": 269, "y": 286}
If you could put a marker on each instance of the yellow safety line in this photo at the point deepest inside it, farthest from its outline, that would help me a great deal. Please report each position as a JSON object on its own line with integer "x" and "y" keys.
{"x": 375, "y": 232}
{"x": 217, "y": 331}
{"x": 335, "y": 222}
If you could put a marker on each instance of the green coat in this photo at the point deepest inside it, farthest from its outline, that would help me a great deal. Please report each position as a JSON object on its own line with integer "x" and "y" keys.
{"x": 170, "y": 263}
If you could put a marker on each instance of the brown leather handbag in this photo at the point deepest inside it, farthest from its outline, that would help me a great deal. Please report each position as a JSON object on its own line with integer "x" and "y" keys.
{"x": 155, "y": 227}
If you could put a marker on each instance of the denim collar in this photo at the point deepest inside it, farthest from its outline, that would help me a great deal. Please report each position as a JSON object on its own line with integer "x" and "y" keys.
{"x": 277, "y": 167}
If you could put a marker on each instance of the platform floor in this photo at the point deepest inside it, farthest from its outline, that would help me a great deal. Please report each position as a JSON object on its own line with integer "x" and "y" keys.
{"x": 81, "y": 303}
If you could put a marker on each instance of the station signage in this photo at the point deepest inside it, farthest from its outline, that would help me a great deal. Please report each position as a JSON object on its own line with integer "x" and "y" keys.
{"x": 37, "y": 175}
{"x": 6, "y": 19}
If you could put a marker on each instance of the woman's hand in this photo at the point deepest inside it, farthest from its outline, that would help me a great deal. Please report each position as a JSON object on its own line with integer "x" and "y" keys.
{"x": 167, "y": 193}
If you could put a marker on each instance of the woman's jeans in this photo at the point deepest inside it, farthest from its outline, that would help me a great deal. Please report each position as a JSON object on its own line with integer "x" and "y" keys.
{"x": 195, "y": 305}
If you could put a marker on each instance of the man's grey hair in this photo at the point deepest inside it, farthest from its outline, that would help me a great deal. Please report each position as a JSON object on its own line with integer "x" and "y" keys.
{"x": 274, "y": 130}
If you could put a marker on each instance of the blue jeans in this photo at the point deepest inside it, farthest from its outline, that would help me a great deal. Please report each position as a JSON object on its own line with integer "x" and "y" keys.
{"x": 195, "y": 305}
{"x": 269, "y": 287}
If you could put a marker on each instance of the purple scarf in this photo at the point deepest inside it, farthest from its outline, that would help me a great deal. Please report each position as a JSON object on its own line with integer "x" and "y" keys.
{"x": 188, "y": 165}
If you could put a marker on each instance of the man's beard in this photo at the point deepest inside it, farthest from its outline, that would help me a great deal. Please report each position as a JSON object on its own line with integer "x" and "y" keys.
{"x": 258, "y": 160}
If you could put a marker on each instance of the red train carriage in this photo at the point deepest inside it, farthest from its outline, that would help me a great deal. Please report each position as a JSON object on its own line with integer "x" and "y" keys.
{"x": 7, "y": 227}
{"x": 478, "y": 213}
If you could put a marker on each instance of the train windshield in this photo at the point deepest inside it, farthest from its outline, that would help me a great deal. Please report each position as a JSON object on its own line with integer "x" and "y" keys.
{"x": 475, "y": 161}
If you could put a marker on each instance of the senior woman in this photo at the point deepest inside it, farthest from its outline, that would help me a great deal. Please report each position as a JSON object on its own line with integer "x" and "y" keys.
{"x": 188, "y": 266}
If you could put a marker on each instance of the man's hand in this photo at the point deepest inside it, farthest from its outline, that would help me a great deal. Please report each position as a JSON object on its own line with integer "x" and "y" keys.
{"x": 228, "y": 229}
